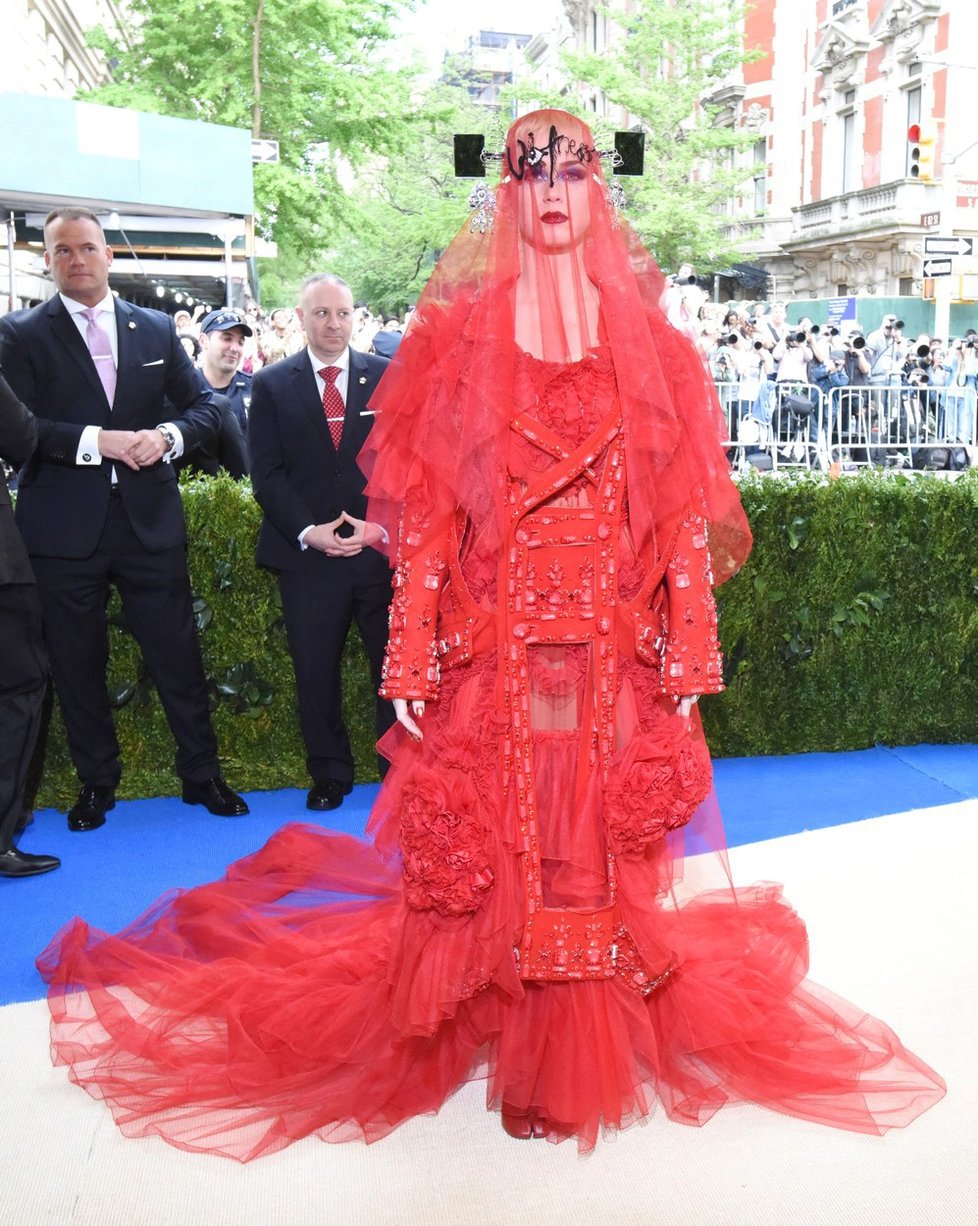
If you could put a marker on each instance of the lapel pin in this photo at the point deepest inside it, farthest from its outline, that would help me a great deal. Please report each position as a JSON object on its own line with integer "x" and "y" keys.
{"x": 132, "y": 325}
{"x": 363, "y": 378}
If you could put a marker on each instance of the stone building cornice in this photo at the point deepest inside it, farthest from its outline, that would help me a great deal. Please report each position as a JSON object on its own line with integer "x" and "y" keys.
{"x": 840, "y": 54}
{"x": 903, "y": 25}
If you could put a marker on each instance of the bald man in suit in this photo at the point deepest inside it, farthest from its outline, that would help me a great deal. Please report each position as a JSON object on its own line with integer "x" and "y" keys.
{"x": 308, "y": 422}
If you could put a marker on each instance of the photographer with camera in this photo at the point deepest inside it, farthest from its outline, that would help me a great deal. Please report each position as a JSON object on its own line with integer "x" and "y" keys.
{"x": 848, "y": 351}
{"x": 886, "y": 352}
{"x": 962, "y": 388}
{"x": 681, "y": 301}
{"x": 795, "y": 419}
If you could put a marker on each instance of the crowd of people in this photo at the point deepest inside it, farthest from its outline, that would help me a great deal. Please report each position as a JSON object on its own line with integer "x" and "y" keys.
{"x": 877, "y": 394}
{"x": 545, "y": 902}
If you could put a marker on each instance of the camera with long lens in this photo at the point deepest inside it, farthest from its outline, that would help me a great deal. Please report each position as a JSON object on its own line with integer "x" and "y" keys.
{"x": 732, "y": 339}
{"x": 676, "y": 279}
{"x": 758, "y": 344}
{"x": 857, "y": 342}
{"x": 797, "y": 338}
{"x": 896, "y": 325}
{"x": 923, "y": 351}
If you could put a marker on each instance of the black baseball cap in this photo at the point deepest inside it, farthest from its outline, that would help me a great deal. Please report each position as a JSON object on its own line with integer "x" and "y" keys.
{"x": 221, "y": 321}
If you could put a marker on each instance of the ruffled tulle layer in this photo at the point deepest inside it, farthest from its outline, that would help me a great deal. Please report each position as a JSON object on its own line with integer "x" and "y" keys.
{"x": 300, "y": 996}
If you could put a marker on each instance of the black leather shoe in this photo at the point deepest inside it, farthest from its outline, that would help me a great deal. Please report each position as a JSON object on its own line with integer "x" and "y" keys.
{"x": 14, "y": 863}
{"x": 89, "y": 810}
{"x": 215, "y": 795}
{"x": 329, "y": 795}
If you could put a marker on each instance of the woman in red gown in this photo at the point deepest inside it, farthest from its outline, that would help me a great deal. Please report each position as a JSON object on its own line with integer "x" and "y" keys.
{"x": 545, "y": 902}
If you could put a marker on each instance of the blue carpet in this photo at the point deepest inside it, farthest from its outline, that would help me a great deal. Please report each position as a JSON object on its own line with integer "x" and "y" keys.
{"x": 149, "y": 846}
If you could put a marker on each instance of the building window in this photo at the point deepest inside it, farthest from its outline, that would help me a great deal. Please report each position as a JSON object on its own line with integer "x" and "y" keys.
{"x": 842, "y": 291}
{"x": 760, "y": 177}
{"x": 905, "y": 289}
{"x": 849, "y": 152}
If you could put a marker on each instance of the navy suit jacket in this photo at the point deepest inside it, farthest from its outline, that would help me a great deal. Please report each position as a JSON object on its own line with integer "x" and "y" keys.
{"x": 62, "y": 505}
{"x": 297, "y": 475}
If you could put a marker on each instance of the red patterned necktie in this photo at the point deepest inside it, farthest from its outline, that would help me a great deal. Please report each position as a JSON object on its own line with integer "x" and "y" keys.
{"x": 333, "y": 405}
{"x": 100, "y": 347}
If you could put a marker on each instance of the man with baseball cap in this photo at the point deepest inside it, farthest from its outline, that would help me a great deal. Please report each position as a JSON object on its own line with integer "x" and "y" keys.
{"x": 222, "y": 339}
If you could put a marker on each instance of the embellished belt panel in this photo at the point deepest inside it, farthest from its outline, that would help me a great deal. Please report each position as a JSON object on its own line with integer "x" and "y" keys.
{"x": 562, "y": 577}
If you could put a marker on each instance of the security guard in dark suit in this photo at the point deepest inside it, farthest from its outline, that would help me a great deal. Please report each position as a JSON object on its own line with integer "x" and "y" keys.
{"x": 23, "y": 662}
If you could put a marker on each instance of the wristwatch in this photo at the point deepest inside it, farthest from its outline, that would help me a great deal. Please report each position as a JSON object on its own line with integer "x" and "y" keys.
{"x": 168, "y": 437}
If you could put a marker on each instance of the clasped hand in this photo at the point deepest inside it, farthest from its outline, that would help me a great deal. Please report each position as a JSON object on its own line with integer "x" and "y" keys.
{"x": 134, "y": 448}
{"x": 324, "y": 537}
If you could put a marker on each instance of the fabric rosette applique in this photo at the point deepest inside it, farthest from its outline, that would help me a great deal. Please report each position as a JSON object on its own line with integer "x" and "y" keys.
{"x": 444, "y": 845}
{"x": 654, "y": 786}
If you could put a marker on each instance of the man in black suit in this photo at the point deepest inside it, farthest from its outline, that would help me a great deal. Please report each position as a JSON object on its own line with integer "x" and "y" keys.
{"x": 23, "y": 663}
{"x": 307, "y": 424}
{"x": 98, "y": 504}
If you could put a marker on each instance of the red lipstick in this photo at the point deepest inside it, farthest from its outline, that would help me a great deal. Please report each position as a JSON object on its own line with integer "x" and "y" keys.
{"x": 553, "y": 219}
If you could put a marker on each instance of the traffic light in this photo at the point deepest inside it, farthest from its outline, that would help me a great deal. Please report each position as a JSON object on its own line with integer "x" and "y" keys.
{"x": 921, "y": 143}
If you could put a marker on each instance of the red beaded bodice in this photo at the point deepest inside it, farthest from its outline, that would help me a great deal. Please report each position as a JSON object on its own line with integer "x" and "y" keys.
{"x": 565, "y": 609}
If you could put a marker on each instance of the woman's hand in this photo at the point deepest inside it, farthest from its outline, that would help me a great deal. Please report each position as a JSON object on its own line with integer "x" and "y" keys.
{"x": 686, "y": 704}
{"x": 401, "y": 711}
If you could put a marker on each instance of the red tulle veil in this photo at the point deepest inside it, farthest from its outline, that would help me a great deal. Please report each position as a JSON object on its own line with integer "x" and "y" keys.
{"x": 443, "y": 407}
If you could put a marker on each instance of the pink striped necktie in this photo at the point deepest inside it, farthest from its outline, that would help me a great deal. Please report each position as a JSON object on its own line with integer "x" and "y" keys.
{"x": 100, "y": 347}
{"x": 333, "y": 405}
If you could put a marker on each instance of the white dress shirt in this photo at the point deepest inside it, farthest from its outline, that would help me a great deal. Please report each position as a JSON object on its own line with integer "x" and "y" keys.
{"x": 342, "y": 383}
{"x": 88, "y": 453}
{"x": 342, "y": 379}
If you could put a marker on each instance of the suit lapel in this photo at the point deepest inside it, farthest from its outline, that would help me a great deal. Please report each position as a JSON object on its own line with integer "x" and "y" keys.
{"x": 66, "y": 332}
{"x": 354, "y": 425}
{"x": 126, "y": 330}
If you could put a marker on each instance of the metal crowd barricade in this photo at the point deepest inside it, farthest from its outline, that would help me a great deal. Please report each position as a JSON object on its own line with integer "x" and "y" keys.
{"x": 773, "y": 426}
{"x": 899, "y": 426}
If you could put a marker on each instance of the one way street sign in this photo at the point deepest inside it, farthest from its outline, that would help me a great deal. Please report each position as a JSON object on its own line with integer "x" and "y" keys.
{"x": 936, "y": 244}
{"x": 264, "y": 150}
{"x": 938, "y": 268}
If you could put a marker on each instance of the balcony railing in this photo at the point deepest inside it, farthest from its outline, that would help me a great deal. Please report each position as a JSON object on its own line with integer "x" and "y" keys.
{"x": 893, "y": 204}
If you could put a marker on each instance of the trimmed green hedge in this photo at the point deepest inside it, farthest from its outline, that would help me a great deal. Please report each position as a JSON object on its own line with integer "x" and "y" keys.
{"x": 855, "y": 621}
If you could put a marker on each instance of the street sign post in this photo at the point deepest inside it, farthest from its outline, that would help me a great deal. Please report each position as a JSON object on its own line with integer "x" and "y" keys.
{"x": 938, "y": 267}
{"x": 264, "y": 150}
{"x": 951, "y": 244}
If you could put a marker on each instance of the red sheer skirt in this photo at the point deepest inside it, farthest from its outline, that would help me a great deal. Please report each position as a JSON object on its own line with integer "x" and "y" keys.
{"x": 338, "y": 987}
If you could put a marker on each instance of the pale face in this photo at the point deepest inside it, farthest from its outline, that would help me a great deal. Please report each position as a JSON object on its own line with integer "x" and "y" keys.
{"x": 223, "y": 350}
{"x": 555, "y": 216}
{"x": 326, "y": 313}
{"x": 79, "y": 259}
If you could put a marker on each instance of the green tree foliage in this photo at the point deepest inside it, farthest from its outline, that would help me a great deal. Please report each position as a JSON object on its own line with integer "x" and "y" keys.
{"x": 409, "y": 208}
{"x": 672, "y": 56}
{"x": 311, "y": 74}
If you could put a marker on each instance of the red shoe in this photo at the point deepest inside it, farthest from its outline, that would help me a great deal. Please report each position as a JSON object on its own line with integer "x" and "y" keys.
{"x": 518, "y": 1124}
